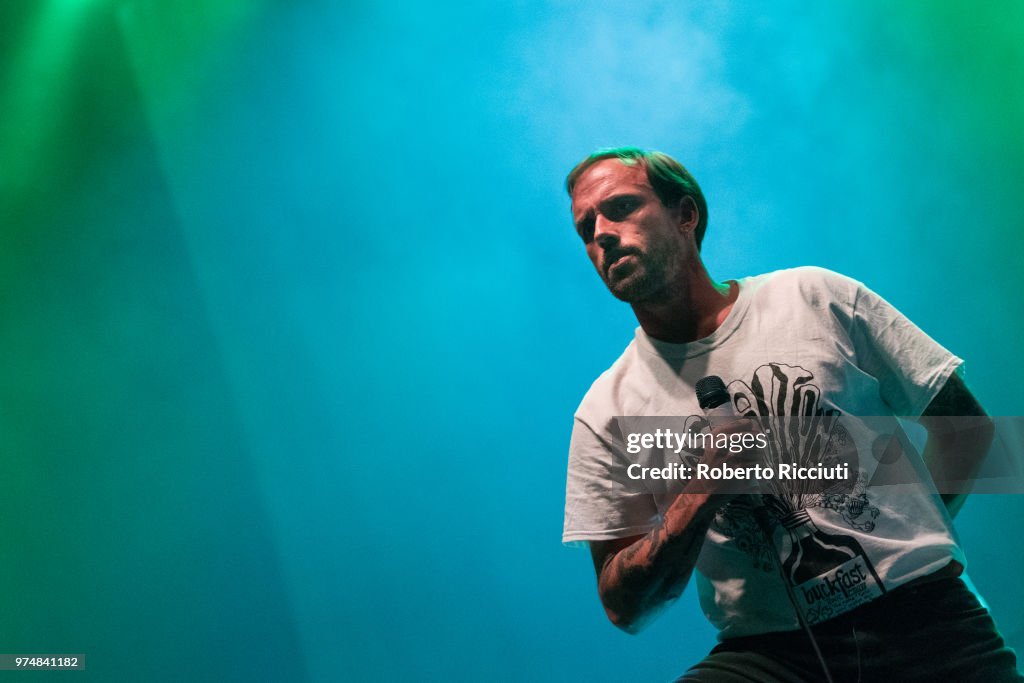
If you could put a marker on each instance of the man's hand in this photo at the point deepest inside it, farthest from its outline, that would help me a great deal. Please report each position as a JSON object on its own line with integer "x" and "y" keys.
{"x": 725, "y": 457}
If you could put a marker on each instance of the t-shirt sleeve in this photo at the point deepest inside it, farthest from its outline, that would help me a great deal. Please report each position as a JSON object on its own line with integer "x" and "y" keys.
{"x": 910, "y": 366}
{"x": 598, "y": 504}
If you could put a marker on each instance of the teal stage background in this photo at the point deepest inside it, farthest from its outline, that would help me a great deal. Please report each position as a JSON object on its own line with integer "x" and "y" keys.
{"x": 294, "y": 319}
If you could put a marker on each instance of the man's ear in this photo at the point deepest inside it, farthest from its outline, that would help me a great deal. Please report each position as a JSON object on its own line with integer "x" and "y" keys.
{"x": 689, "y": 214}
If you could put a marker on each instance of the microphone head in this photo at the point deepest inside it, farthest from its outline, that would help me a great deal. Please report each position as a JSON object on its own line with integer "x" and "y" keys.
{"x": 711, "y": 392}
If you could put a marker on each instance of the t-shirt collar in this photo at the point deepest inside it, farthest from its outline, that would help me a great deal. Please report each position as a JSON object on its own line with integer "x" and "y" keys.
{"x": 689, "y": 349}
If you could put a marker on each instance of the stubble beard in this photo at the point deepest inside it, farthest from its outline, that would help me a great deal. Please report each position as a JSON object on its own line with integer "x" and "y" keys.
{"x": 643, "y": 285}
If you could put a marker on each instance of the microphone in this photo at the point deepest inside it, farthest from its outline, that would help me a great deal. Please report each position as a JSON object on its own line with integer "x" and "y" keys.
{"x": 713, "y": 397}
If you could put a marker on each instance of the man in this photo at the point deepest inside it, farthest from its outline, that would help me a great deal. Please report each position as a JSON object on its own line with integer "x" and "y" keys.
{"x": 799, "y": 342}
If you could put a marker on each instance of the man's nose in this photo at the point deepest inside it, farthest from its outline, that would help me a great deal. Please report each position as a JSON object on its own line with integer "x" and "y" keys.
{"x": 605, "y": 233}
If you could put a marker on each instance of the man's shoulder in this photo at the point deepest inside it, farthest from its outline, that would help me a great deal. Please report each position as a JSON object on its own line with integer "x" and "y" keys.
{"x": 806, "y": 275}
{"x": 810, "y": 283}
{"x": 611, "y": 393}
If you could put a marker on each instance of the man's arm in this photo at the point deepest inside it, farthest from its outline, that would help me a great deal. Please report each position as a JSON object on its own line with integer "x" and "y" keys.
{"x": 955, "y": 447}
{"x": 638, "y": 575}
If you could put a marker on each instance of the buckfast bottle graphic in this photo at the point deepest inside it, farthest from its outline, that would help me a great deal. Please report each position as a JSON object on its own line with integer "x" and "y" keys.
{"x": 830, "y": 572}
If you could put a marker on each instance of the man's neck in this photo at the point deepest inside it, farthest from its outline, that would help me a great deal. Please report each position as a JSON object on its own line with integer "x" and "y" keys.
{"x": 692, "y": 309}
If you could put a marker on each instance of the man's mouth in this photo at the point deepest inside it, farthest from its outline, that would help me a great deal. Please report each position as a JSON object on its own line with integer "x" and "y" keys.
{"x": 617, "y": 261}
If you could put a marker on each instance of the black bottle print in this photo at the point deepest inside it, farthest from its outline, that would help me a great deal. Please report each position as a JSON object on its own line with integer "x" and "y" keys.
{"x": 830, "y": 573}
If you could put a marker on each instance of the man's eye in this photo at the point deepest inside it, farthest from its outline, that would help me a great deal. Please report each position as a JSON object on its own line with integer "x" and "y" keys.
{"x": 620, "y": 208}
{"x": 585, "y": 228}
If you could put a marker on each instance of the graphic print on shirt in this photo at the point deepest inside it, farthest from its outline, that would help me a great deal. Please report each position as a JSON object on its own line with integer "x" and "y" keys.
{"x": 830, "y": 573}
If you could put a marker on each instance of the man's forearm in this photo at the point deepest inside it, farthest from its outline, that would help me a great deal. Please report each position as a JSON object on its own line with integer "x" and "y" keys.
{"x": 953, "y": 456}
{"x": 636, "y": 581}
{"x": 959, "y": 436}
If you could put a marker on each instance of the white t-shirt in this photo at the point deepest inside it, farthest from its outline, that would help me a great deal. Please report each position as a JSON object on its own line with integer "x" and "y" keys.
{"x": 798, "y": 340}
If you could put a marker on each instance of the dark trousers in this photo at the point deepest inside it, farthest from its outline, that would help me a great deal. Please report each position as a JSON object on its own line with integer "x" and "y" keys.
{"x": 935, "y": 631}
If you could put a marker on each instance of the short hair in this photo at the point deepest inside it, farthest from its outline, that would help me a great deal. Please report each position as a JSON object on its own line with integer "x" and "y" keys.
{"x": 668, "y": 178}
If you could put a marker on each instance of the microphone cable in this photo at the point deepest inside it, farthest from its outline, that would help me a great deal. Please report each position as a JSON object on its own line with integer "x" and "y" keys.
{"x": 766, "y": 531}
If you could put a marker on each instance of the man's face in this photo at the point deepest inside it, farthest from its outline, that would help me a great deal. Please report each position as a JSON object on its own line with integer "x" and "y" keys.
{"x": 636, "y": 243}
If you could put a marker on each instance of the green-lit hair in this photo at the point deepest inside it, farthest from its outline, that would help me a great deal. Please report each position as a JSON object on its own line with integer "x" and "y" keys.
{"x": 669, "y": 179}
